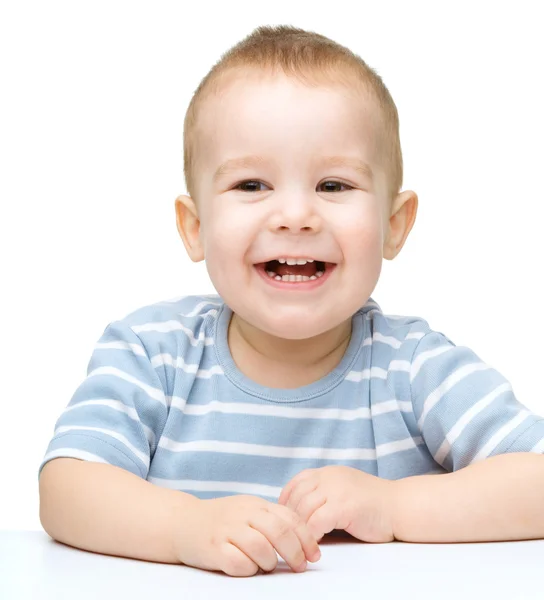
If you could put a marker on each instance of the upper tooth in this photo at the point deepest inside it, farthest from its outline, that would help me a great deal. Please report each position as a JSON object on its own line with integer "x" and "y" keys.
{"x": 295, "y": 261}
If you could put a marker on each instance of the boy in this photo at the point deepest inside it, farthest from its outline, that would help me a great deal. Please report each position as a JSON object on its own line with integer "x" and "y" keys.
{"x": 215, "y": 431}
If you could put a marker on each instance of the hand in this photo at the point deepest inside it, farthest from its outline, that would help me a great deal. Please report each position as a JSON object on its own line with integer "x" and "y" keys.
{"x": 240, "y": 534}
{"x": 339, "y": 497}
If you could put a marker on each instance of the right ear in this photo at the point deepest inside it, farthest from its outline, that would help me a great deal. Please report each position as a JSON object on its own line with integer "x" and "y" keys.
{"x": 188, "y": 225}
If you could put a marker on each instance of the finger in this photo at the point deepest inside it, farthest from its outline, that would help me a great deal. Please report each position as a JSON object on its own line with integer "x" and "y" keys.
{"x": 309, "y": 504}
{"x": 323, "y": 520}
{"x": 255, "y": 545}
{"x": 236, "y": 563}
{"x": 286, "y": 492}
{"x": 302, "y": 489}
{"x": 280, "y": 533}
{"x": 307, "y": 540}
{"x": 288, "y": 488}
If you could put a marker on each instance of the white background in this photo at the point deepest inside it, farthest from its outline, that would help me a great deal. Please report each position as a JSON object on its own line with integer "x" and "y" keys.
{"x": 93, "y": 96}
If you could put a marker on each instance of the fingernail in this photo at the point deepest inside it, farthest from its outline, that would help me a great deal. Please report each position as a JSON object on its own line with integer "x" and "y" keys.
{"x": 316, "y": 556}
{"x": 302, "y": 566}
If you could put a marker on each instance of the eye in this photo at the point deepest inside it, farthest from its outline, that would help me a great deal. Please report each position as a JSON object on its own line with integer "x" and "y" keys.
{"x": 333, "y": 186}
{"x": 251, "y": 186}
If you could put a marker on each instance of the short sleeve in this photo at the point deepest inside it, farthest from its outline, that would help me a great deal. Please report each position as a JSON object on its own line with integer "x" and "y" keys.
{"x": 467, "y": 411}
{"x": 118, "y": 412}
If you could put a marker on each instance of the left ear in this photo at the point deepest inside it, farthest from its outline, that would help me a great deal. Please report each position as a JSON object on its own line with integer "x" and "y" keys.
{"x": 401, "y": 221}
{"x": 188, "y": 225}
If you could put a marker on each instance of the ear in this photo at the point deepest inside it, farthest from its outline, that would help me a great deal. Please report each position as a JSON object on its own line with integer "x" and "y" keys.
{"x": 188, "y": 225}
{"x": 401, "y": 221}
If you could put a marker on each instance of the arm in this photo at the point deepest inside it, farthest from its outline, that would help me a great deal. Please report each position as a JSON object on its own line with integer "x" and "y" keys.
{"x": 497, "y": 499}
{"x": 105, "y": 509}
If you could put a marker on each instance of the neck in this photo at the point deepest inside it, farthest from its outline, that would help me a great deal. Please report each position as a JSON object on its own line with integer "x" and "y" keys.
{"x": 310, "y": 352}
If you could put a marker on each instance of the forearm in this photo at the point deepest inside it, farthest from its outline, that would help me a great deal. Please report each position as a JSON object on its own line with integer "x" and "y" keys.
{"x": 108, "y": 510}
{"x": 501, "y": 498}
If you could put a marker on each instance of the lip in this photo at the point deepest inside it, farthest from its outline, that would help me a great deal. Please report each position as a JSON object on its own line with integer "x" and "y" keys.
{"x": 296, "y": 286}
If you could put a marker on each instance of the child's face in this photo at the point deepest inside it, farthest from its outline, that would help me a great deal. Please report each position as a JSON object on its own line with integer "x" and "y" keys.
{"x": 288, "y": 211}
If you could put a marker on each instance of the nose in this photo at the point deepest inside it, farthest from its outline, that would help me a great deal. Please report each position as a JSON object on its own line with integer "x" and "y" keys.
{"x": 295, "y": 213}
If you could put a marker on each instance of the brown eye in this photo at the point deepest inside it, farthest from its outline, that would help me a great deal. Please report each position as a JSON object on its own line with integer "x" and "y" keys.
{"x": 333, "y": 186}
{"x": 249, "y": 186}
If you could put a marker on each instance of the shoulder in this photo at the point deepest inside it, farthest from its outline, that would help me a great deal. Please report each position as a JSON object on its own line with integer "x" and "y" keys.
{"x": 196, "y": 307}
{"x": 165, "y": 322}
{"x": 401, "y": 333}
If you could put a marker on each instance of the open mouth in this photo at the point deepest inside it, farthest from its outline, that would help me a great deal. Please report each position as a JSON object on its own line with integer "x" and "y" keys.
{"x": 305, "y": 270}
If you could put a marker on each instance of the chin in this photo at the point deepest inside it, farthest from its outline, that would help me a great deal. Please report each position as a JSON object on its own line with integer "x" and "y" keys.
{"x": 293, "y": 335}
{"x": 294, "y": 329}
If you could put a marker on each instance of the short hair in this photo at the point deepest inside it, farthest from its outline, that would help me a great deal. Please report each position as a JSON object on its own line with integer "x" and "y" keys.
{"x": 314, "y": 59}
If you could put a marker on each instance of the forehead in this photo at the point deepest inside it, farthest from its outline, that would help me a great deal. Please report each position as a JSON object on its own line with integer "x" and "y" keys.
{"x": 272, "y": 111}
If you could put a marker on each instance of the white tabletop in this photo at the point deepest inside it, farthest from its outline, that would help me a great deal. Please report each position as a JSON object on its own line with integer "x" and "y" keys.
{"x": 35, "y": 567}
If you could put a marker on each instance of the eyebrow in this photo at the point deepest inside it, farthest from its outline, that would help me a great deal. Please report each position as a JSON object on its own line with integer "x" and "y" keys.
{"x": 237, "y": 163}
{"x": 253, "y": 160}
{"x": 354, "y": 163}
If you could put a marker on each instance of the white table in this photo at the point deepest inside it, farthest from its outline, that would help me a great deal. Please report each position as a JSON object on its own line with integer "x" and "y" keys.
{"x": 35, "y": 567}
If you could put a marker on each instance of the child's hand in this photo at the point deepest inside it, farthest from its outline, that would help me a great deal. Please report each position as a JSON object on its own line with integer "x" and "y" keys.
{"x": 240, "y": 534}
{"x": 338, "y": 497}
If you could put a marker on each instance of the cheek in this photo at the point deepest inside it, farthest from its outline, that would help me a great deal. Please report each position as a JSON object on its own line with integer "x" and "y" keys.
{"x": 361, "y": 231}
{"x": 226, "y": 237}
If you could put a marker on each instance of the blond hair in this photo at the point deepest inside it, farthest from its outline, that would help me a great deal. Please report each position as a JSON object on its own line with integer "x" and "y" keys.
{"x": 313, "y": 59}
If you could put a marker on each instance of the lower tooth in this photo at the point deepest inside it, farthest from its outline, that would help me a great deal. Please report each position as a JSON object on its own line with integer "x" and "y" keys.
{"x": 292, "y": 278}
{"x": 319, "y": 273}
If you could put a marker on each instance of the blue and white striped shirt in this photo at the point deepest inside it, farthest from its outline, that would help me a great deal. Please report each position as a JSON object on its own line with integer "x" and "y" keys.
{"x": 164, "y": 400}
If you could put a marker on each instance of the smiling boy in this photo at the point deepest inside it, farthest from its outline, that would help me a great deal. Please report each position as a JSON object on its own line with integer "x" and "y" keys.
{"x": 215, "y": 431}
{"x": 285, "y": 139}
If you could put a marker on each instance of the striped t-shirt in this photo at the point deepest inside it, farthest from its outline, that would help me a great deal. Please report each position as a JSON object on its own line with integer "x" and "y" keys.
{"x": 164, "y": 400}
